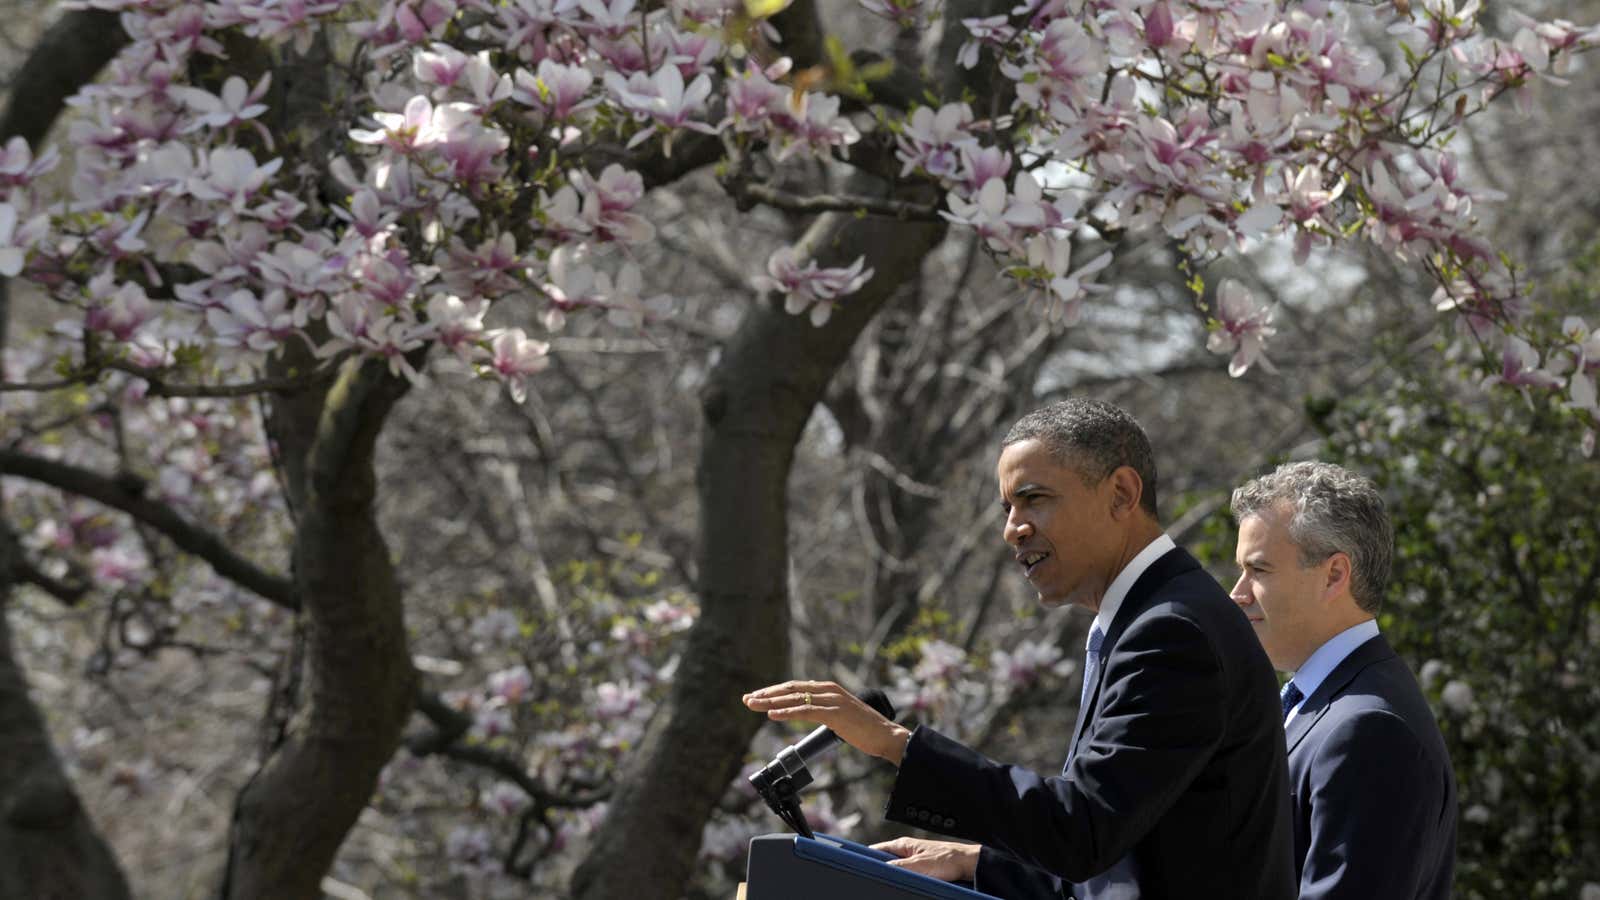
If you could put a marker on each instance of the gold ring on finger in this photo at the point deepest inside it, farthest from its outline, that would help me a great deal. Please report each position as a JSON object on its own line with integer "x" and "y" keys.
{"x": 807, "y": 695}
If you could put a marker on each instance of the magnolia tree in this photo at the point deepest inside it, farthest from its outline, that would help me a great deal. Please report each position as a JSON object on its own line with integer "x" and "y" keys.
{"x": 327, "y": 204}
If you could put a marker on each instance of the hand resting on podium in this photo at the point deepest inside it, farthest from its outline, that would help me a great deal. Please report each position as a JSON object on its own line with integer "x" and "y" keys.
{"x": 944, "y": 860}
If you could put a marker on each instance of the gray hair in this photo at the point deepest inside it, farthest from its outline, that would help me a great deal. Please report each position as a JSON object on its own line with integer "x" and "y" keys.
{"x": 1334, "y": 511}
{"x": 1094, "y": 438}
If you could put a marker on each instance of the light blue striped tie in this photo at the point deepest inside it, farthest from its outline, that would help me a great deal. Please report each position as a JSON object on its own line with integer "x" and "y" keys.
{"x": 1091, "y": 668}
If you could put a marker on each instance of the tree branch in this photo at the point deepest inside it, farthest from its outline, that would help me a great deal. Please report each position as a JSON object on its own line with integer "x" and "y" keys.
{"x": 129, "y": 498}
{"x": 280, "y": 385}
{"x": 451, "y": 725}
{"x": 159, "y": 387}
{"x": 749, "y": 193}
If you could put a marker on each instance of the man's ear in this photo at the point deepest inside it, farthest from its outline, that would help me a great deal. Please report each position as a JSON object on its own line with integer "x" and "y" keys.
{"x": 1126, "y": 489}
{"x": 1339, "y": 575}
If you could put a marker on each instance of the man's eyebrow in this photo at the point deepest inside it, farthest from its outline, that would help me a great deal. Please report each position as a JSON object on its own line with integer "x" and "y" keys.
{"x": 1257, "y": 560}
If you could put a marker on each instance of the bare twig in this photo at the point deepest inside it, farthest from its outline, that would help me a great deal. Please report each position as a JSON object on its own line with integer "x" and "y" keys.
{"x": 127, "y": 495}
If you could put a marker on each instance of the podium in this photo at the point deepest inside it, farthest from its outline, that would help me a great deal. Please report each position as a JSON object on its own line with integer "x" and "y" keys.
{"x": 791, "y": 867}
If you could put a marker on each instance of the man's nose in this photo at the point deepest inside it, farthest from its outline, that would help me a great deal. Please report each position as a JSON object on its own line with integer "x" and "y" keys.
{"x": 1017, "y": 529}
{"x": 1241, "y": 593}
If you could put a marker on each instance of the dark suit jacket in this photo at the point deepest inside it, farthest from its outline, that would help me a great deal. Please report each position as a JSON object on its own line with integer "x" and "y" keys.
{"x": 1374, "y": 797}
{"x": 1179, "y": 770}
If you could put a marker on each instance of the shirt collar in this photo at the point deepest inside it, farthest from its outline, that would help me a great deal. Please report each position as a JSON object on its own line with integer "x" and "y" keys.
{"x": 1321, "y": 664}
{"x": 1118, "y": 590}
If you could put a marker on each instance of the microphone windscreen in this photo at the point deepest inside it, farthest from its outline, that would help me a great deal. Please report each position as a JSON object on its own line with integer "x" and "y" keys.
{"x": 879, "y": 701}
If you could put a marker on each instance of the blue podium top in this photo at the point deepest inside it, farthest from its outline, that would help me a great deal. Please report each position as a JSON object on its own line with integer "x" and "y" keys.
{"x": 865, "y": 862}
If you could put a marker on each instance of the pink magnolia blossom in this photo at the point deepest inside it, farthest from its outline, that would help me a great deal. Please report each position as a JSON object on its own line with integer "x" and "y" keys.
{"x": 402, "y": 23}
{"x": 488, "y": 270}
{"x": 754, "y": 95}
{"x": 417, "y": 126}
{"x": 1244, "y": 326}
{"x": 663, "y": 99}
{"x": 516, "y": 357}
{"x": 980, "y": 164}
{"x": 993, "y": 31}
{"x": 1158, "y": 26}
{"x": 1029, "y": 662}
{"x": 1065, "y": 291}
{"x": 556, "y": 89}
{"x": 812, "y": 121}
{"x": 608, "y": 202}
{"x": 692, "y": 51}
{"x": 367, "y": 215}
{"x": 238, "y": 104}
{"x": 1581, "y": 390}
{"x": 18, "y": 165}
{"x": 809, "y": 286}
{"x": 1585, "y": 343}
{"x": 306, "y": 269}
{"x": 440, "y": 64}
{"x": 1307, "y": 200}
{"x": 617, "y": 699}
{"x": 1519, "y": 367}
{"x": 231, "y": 175}
{"x": 611, "y": 18}
{"x": 456, "y": 324}
{"x": 933, "y": 141}
{"x": 277, "y": 21}
{"x": 511, "y": 685}
{"x": 1062, "y": 74}
{"x": 1484, "y": 304}
{"x": 474, "y": 154}
{"x": 256, "y": 323}
{"x": 117, "y": 310}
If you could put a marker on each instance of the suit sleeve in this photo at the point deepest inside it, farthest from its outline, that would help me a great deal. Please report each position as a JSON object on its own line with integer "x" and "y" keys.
{"x": 1005, "y": 876}
{"x": 1373, "y": 791}
{"x": 1161, "y": 718}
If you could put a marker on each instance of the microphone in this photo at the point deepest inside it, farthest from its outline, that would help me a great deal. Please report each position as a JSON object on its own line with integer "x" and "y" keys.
{"x": 790, "y": 764}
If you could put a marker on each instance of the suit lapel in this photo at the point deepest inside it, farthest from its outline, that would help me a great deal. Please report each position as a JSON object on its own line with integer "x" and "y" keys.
{"x": 1172, "y": 564}
{"x": 1316, "y": 706}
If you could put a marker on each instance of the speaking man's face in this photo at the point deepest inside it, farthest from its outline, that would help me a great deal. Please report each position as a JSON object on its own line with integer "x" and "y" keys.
{"x": 1281, "y": 597}
{"x": 1060, "y": 527}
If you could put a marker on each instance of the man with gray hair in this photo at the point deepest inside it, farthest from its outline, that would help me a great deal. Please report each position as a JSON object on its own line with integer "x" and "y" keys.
{"x": 1369, "y": 777}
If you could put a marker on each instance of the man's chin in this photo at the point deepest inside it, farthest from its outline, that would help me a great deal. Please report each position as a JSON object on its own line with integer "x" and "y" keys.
{"x": 1056, "y": 599}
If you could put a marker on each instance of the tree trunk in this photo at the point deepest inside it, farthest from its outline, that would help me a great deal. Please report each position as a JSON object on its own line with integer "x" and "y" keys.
{"x": 49, "y": 850}
{"x": 759, "y": 397}
{"x": 291, "y": 818}
{"x": 48, "y": 847}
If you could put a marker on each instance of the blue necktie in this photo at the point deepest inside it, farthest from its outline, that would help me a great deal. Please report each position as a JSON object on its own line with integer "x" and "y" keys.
{"x": 1091, "y": 668}
{"x": 1121, "y": 880}
{"x": 1091, "y": 674}
{"x": 1290, "y": 696}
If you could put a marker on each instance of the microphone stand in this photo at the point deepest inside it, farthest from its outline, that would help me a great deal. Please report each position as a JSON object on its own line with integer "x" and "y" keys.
{"x": 783, "y": 795}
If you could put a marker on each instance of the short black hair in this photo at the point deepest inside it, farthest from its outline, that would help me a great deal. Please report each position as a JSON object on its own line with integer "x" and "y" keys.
{"x": 1093, "y": 437}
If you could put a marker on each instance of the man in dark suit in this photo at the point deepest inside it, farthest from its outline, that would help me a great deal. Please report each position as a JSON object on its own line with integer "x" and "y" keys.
{"x": 1175, "y": 780}
{"x": 1374, "y": 797}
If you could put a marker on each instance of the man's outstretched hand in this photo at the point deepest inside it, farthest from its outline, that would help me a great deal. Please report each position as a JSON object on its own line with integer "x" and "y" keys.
{"x": 944, "y": 860}
{"x": 826, "y": 703}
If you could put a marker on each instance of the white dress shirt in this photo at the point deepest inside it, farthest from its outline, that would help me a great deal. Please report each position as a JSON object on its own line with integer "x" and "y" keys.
{"x": 1118, "y": 590}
